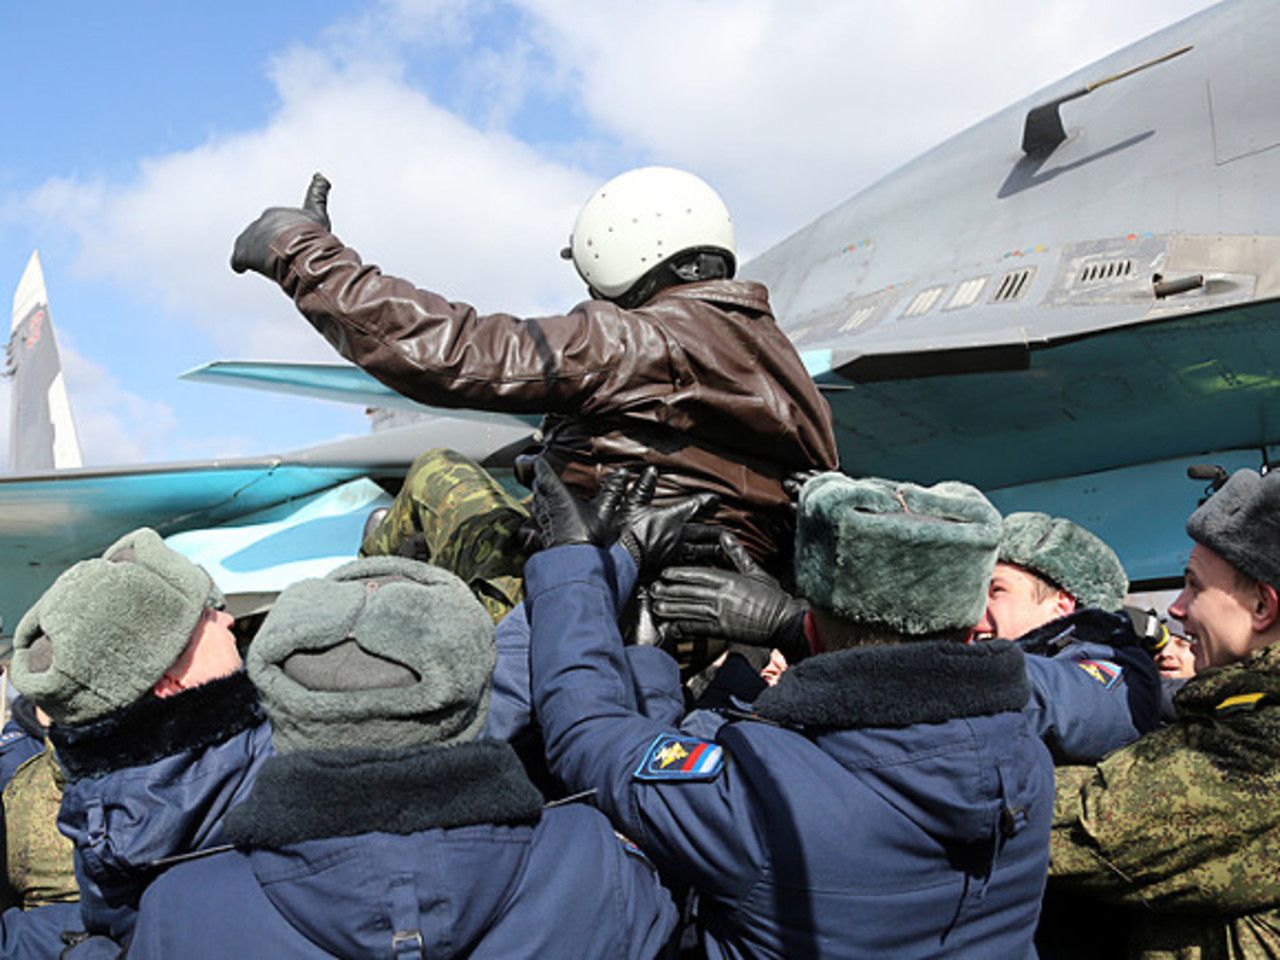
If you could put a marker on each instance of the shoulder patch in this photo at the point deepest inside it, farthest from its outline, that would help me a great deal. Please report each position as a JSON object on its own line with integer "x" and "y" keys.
{"x": 1241, "y": 703}
{"x": 673, "y": 757}
{"x": 1106, "y": 672}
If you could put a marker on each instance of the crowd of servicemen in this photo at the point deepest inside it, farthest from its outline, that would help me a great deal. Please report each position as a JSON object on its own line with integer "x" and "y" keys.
{"x": 700, "y": 694}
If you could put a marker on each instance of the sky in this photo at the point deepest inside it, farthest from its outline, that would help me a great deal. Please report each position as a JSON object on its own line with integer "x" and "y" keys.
{"x": 461, "y": 137}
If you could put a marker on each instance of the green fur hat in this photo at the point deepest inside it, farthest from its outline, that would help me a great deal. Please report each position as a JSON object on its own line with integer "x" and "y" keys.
{"x": 1068, "y": 556}
{"x": 385, "y": 652}
{"x": 916, "y": 559}
{"x": 107, "y": 630}
{"x": 1241, "y": 524}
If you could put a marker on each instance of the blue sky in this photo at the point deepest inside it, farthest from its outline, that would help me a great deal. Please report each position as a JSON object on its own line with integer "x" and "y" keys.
{"x": 461, "y": 138}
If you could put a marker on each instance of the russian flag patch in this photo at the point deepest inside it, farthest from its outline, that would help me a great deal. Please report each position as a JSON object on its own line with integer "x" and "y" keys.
{"x": 672, "y": 757}
{"x": 1104, "y": 671}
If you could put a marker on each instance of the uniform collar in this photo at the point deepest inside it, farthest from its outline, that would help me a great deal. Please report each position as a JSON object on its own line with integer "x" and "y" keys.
{"x": 154, "y": 728}
{"x": 899, "y": 685}
{"x": 314, "y": 794}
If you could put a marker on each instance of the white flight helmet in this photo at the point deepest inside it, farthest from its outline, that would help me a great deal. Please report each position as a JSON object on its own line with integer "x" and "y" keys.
{"x": 642, "y": 218}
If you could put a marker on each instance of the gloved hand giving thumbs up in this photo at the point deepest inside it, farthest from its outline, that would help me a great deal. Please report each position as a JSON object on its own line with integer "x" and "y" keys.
{"x": 253, "y": 246}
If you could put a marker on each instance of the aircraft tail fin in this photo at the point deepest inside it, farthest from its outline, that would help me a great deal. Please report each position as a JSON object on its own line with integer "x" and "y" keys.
{"x": 42, "y": 432}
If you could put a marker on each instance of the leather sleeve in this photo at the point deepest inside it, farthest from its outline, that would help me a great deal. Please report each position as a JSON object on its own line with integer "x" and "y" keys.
{"x": 445, "y": 354}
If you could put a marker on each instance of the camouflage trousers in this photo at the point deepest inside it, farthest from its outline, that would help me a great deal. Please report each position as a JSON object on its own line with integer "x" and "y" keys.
{"x": 39, "y": 857}
{"x": 452, "y": 513}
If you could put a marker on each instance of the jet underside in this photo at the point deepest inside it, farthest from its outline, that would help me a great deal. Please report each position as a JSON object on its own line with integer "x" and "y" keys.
{"x": 1068, "y": 327}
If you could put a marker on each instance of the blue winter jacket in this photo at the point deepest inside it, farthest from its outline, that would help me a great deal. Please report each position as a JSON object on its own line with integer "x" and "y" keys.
{"x": 656, "y": 676}
{"x": 435, "y": 852}
{"x": 890, "y": 802}
{"x": 36, "y": 934}
{"x": 151, "y": 782}
{"x": 1094, "y": 688}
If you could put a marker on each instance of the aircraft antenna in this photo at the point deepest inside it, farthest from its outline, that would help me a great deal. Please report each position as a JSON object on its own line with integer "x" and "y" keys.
{"x": 1043, "y": 130}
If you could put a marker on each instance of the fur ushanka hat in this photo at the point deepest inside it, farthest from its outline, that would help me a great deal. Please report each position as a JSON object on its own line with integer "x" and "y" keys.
{"x": 915, "y": 559}
{"x": 107, "y": 630}
{"x": 1067, "y": 555}
{"x": 385, "y": 652}
{"x": 1241, "y": 524}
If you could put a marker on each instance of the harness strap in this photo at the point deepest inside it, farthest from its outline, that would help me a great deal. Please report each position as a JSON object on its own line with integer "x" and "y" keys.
{"x": 406, "y": 940}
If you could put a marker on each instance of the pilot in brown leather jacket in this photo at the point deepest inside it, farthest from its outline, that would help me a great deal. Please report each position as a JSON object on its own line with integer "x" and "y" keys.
{"x": 695, "y": 378}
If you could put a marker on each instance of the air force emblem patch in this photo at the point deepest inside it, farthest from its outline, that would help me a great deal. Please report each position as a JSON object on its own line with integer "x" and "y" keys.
{"x": 1104, "y": 671}
{"x": 672, "y": 757}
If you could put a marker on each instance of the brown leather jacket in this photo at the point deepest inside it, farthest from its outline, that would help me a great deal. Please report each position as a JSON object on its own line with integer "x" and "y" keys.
{"x": 699, "y": 381}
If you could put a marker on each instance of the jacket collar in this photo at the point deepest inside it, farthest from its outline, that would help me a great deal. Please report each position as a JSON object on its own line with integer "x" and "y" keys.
{"x": 315, "y": 794}
{"x": 1205, "y": 694}
{"x": 1088, "y": 625}
{"x": 154, "y": 728}
{"x": 1231, "y": 715}
{"x": 734, "y": 293}
{"x": 897, "y": 686}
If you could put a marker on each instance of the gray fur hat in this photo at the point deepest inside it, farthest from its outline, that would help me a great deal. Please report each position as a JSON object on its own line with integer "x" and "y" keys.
{"x": 385, "y": 652}
{"x": 916, "y": 559}
{"x": 101, "y": 637}
{"x": 1241, "y": 524}
{"x": 1067, "y": 555}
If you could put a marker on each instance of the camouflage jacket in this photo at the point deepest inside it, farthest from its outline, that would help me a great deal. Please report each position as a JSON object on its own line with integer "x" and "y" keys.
{"x": 39, "y": 857}
{"x": 1184, "y": 824}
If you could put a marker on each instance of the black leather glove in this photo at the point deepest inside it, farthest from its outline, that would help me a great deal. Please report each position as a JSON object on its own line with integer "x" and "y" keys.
{"x": 747, "y": 606}
{"x": 654, "y": 535}
{"x": 793, "y": 483}
{"x": 253, "y": 247}
{"x": 562, "y": 518}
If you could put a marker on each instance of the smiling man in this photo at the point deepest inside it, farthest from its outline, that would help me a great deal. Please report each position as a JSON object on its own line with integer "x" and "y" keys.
{"x": 1049, "y": 568}
{"x": 1228, "y": 607}
{"x": 1183, "y": 823}
{"x": 1056, "y": 591}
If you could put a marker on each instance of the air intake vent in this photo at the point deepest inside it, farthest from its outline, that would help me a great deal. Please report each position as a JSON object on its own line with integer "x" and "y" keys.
{"x": 1013, "y": 285}
{"x": 1107, "y": 270}
{"x": 923, "y": 302}
{"x": 858, "y": 318}
{"x": 967, "y": 293}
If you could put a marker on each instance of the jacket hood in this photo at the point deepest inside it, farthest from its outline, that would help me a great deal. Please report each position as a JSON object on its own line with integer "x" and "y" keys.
{"x": 349, "y": 844}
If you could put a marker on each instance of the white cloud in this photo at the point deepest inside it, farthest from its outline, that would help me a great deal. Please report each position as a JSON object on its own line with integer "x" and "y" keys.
{"x": 115, "y": 425}
{"x": 477, "y": 215}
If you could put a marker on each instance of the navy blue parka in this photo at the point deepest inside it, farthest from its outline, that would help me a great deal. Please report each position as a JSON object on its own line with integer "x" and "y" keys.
{"x": 428, "y": 852}
{"x": 1094, "y": 688}
{"x": 888, "y": 802}
{"x": 151, "y": 782}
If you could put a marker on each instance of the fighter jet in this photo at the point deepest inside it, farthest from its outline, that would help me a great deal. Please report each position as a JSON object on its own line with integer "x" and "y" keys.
{"x": 1065, "y": 304}
{"x": 1069, "y": 302}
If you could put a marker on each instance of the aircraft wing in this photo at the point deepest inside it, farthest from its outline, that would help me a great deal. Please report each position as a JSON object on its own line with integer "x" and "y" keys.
{"x": 341, "y": 382}
{"x": 255, "y": 556}
{"x": 51, "y": 519}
